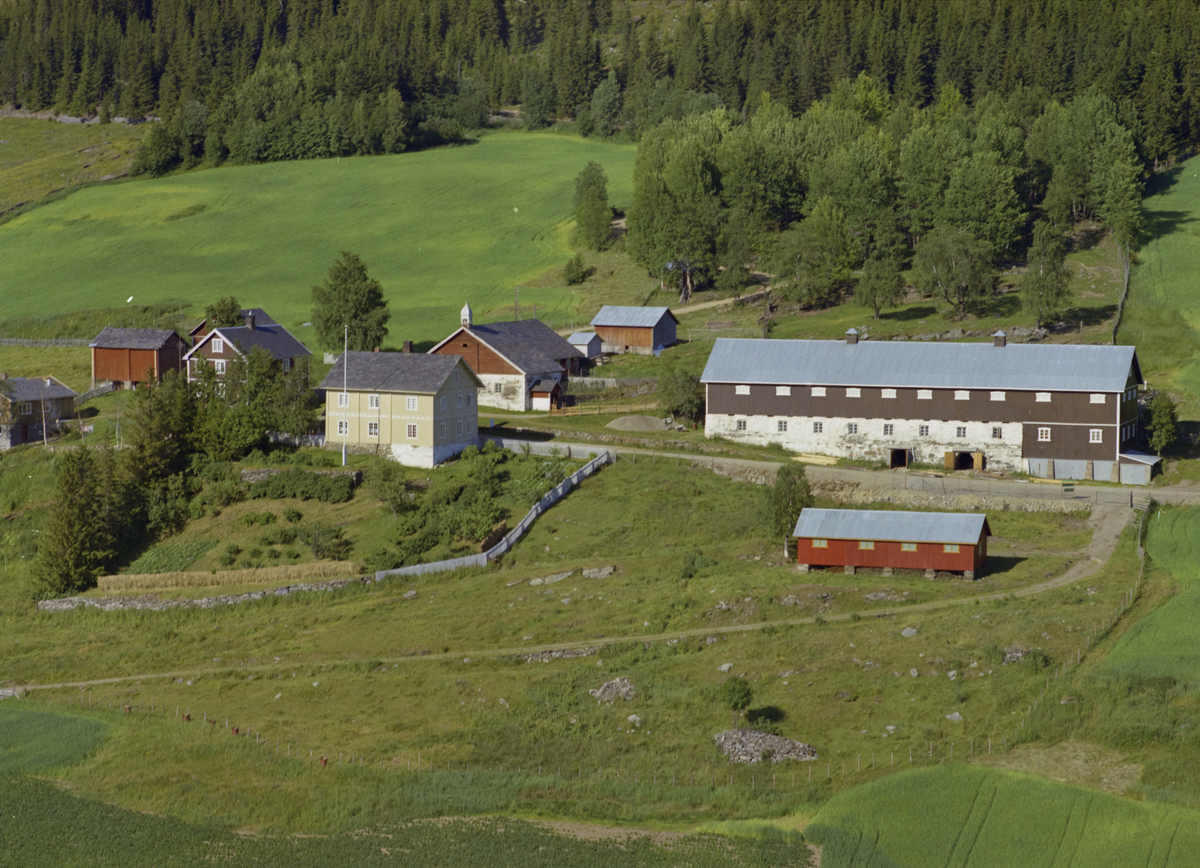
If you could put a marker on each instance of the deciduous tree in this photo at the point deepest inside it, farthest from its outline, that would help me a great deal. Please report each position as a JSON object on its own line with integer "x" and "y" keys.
{"x": 1044, "y": 289}
{"x": 880, "y": 286}
{"x": 1164, "y": 421}
{"x": 954, "y": 264}
{"x": 783, "y": 501}
{"x": 223, "y": 312}
{"x": 736, "y": 694}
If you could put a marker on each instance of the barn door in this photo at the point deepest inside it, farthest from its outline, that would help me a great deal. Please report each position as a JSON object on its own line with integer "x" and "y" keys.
{"x": 949, "y": 460}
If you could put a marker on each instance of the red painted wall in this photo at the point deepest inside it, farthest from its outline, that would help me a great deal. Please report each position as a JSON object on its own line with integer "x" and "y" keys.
{"x": 928, "y": 556}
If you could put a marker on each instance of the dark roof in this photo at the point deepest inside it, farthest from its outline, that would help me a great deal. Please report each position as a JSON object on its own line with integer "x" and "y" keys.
{"x": 392, "y": 372}
{"x": 132, "y": 339}
{"x": 35, "y": 389}
{"x": 275, "y": 339}
{"x": 1053, "y": 367}
{"x": 529, "y": 344}
{"x": 545, "y": 386}
{"x": 260, "y": 318}
{"x": 873, "y": 524}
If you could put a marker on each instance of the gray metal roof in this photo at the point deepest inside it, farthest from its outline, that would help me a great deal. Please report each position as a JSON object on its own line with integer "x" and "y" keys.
{"x": 872, "y": 524}
{"x": 275, "y": 339}
{"x": 530, "y": 344}
{"x": 632, "y": 317}
{"x": 394, "y": 372}
{"x": 582, "y": 338}
{"x": 131, "y": 339}
{"x": 1060, "y": 367}
{"x": 34, "y": 389}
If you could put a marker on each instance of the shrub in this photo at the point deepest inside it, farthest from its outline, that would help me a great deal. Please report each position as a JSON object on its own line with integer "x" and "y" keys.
{"x": 230, "y": 555}
{"x": 573, "y": 272}
{"x": 273, "y": 554}
{"x": 291, "y": 515}
{"x": 326, "y": 541}
{"x": 279, "y": 536}
{"x": 303, "y": 485}
{"x": 250, "y": 519}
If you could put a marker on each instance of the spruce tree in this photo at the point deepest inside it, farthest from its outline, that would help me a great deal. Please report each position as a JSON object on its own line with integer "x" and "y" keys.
{"x": 76, "y": 545}
{"x": 349, "y": 297}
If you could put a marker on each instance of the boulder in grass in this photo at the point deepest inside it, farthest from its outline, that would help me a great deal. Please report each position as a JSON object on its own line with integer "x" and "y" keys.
{"x": 609, "y": 691}
{"x": 752, "y": 746}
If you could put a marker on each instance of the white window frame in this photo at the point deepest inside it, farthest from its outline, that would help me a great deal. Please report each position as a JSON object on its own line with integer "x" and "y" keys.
{"x": 458, "y": 428}
{"x": 922, "y": 430}
{"x": 1095, "y": 435}
{"x": 962, "y": 395}
{"x": 781, "y": 426}
{"x": 818, "y": 427}
{"x": 739, "y": 425}
{"x": 851, "y": 427}
{"x": 820, "y": 543}
{"x": 468, "y": 399}
{"x": 442, "y": 402}
{"x": 866, "y": 545}
{"x": 343, "y": 399}
{"x": 219, "y": 366}
{"x": 950, "y": 548}
{"x": 1043, "y": 435}
{"x": 286, "y": 364}
{"x": 853, "y": 392}
{"x": 997, "y": 432}
{"x": 889, "y": 430}
{"x": 887, "y": 393}
{"x": 783, "y": 391}
{"x": 218, "y": 345}
{"x": 454, "y": 377}
{"x": 818, "y": 391}
{"x": 997, "y": 396}
{"x": 741, "y": 390}
{"x": 1097, "y": 398}
{"x": 412, "y": 431}
{"x": 410, "y": 403}
{"x": 497, "y": 388}
{"x": 372, "y": 429}
{"x": 441, "y": 430}
{"x": 1041, "y": 397}
{"x": 908, "y": 547}
{"x": 924, "y": 394}
{"x": 960, "y": 431}
{"x": 458, "y": 400}
{"x": 25, "y": 408}
{"x": 343, "y": 427}
{"x": 372, "y": 402}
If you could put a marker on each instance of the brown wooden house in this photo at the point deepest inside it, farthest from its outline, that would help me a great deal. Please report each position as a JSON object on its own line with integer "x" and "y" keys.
{"x": 225, "y": 344}
{"x": 126, "y": 357}
{"x": 644, "y": 330}
{"x": 32, "y": 407}
{"x": 261, "y": 317}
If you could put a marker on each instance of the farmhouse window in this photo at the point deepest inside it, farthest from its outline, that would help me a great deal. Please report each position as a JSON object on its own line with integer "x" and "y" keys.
{"x": 218, "y": 345}
{"x": 412, "y": 431}
{"x": 852, "y": 428}
{"x": 866, "y": 545}
{"x": 782, "y": 425}
{"x": 924, "y": 394}
{"x": 343, "y": 427}
{"x": 468, "y": 399}
{"x": 459, "y": 399}
{"x": 820, "y": 543}
{"x": 410, "y": 403}
{"x": 818, "y": 427}
{"x": 1043, "y": 435}
{"x": 997, "y": 432}
{"x": 1042, "y": 397}
{"x": 286, "y": 364}
{"x": 854, "y": 393}
{"x": 498, "y": 388}
{"x": 343, "y": 399}
{"x": 1095, "y": 435}
{"x": 740, "y": 425}
{"x": 442, "y": 430}
{"x": 950, "y": 548}
{"x": 220, "y": 366}
{"x": 961, "y": 431}
{"x": 458, "y": 428}
{"x": 1096, "y": 398}
{"x": 908, "y": 547}
{"x": 442, "y": 402}
{"x": 818, "y": 391}
{"x": 741, "y": 390}
{"x": 454, "y": 376}
{"x": 783, "y": 391}
{"x": 923, "y": 430}
{"x": 373, "y": 402}
{"x": 888, "y": 393}
{"x": 997, "y": 396}
{"x": 25, "y": 409}
{"x": 372, "y": 429}
{"x": 889, "y": 430}
{"x": 962, "y": 395}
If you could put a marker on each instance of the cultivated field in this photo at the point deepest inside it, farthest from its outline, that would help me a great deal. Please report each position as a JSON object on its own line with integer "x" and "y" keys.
{"x": 435, "y": 228}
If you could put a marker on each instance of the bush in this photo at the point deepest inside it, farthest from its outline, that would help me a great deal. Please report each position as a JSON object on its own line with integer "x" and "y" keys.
{"x": 291, "y": 515}
{"x": 326, "y": 541}
{"x": 573, "y": 272}
{"x": 229, "y": 558}
{"x": 303, "y": 485}
{"x": 250, "y": 519}
{"x": 280, "y": 536}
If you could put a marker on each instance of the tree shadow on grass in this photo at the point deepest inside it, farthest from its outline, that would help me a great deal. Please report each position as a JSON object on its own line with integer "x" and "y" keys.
{"x": 998, "y": 565}
{"x": 1091, "y": 316}
{"x": 999, "y": 305}
{"x": 766, "y": 715}
{"x": 907, "y": 314}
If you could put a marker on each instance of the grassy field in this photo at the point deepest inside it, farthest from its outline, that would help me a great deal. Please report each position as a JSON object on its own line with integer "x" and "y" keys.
{"x": 435, "y": 228}
{"x": 38, "y": 158}
{"x": 957, "y": 815}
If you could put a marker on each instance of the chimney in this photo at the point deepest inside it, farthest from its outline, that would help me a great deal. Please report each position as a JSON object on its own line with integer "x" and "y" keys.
{"x": 377, "y": 349}
{"x": 852, "y": 336}
{"x": 999, "y": 339}
{"x": 250, "y": 319}
{"x": 407, "y": 347}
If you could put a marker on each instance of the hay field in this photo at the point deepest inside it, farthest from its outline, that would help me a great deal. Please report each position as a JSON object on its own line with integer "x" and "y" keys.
{"x": 963, "y": 816}
{"x": 435, "y": 228}
{"x": 217, "y": 578}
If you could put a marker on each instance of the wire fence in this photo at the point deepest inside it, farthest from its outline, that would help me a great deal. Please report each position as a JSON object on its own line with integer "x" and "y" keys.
{"x": 44, "y": 343}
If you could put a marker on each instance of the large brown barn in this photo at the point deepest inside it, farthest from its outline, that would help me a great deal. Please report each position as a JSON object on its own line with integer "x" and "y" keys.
{"x": 644, "y": 330}
{"x": 126, "y": 357}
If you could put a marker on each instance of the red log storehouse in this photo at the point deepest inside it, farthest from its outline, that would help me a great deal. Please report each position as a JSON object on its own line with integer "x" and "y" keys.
{"x": 931, "y": 541}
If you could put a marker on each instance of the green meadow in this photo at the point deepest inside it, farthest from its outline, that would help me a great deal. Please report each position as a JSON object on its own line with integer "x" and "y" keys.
{"x": 435, "y": 227}
{"x": 967, "y": 817}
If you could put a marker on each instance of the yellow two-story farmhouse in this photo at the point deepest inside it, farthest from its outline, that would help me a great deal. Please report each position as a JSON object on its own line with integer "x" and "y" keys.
{"x": 413, "y": 408}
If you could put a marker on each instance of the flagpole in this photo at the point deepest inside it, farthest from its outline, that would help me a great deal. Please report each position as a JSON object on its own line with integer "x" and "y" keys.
{"x": 346, "y": 398}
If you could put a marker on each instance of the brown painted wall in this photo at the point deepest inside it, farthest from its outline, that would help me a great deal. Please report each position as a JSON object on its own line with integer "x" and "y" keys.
{"x": 479, "y": 357}
{"x": 122, "y": 365}
{"x": 928, "y": 556}
{"x": 1069, "y": 441}
{"x": 626, "y": 336}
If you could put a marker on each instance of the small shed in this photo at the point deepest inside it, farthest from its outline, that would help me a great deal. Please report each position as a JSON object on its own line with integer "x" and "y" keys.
{"x": 31, "y": 408}
{"x": 930, "y": 541}
{"x": 546, "y": 395}
{"x": 1138, "y": 468}
{"x": 645, "y": 330}
{"x": 131, "y": 356}
{"x": 588, "y": 343}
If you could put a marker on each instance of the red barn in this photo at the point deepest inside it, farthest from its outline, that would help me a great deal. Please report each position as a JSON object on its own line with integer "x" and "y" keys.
{"x": 131, "y": 356}
{"x": 930, "y": 541}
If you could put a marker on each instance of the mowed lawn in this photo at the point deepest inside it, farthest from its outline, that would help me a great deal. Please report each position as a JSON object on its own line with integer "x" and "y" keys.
{"x": 436, "y": 228}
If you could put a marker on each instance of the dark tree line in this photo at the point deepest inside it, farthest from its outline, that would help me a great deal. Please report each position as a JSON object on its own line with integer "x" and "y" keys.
{"x": 270, "y": 80}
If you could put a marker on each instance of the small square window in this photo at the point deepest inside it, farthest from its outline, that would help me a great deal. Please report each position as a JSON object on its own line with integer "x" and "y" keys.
{"x": 962, "y": 395}
{"x": 372, "y": 429}
{"x": 924, "y": 394}
{"x": 961, "y": 431}
{"x": 852, "y": 428}
{"x": 741, "y": 390}
{"x": 498, "y": 388}
{"x": 412, "y": 432}
{"x": 1043, "y": 435}
{"x": 997, "y": 396}
{"x": 1042, "y": 397}
{"x": 410, "y": 403}
{"x": 908, "y": 547}
{"x": 343, "y": 399}
{"x": 781, "y": 425}
{"x": 923, "y": 430}
{"x": 343, "y": 426}
{"x": 889, "y": 430}
{"x": 1096, "y": 398}
{"x": 997, "y": 432}
{"x": 818, "y": 427}
{"x": 1095, "y": 435}
{"x": 950, "y": 548}
{"x": 783, "y": 390}
{"x": 820, "y": 543}
{"x": 866, "y": 545}
{"x": 818, "y": 391}
{"x": 218, "y": 346}
{"x": 888, "y": 393}
{"x": 372, "y": 402}
{"x": 442, "y": 430}
{"x": 740, "y": 425}
{"x": 854, "y": 392}
{"x": 219, "y": 364}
